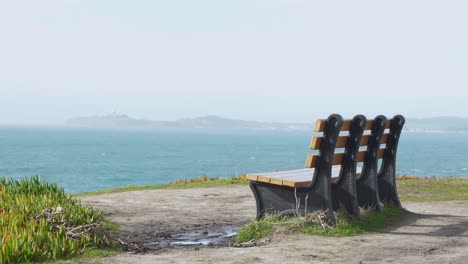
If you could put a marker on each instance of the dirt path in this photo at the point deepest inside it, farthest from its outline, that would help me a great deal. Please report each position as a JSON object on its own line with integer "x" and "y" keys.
{"x": 435, "y": 232}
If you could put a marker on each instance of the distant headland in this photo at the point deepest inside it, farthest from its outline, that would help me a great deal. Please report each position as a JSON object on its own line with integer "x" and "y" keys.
{"x": 122, "y": 121}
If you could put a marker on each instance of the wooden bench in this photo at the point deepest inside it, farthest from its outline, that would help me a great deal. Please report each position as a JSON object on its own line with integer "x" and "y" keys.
{"x": 330, "y": 180}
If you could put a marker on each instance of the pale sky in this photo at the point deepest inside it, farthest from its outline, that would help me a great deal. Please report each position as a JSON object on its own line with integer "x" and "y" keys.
{"x": 270, "y": 60}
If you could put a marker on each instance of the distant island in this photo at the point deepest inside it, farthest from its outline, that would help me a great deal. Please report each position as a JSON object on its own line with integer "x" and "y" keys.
{"x": 122, "y": 121}
{"x": 205, "y": 122}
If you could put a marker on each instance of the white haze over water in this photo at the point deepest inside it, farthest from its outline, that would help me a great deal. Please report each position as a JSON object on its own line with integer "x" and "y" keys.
{"x": 275, "y": 60}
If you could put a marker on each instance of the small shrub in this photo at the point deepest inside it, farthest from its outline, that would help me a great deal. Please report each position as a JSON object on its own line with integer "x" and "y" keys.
{"x": 257, "y": 229}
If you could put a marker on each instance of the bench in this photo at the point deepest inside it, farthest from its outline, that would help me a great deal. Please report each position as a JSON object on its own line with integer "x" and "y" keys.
{"x": 332, "y": 181}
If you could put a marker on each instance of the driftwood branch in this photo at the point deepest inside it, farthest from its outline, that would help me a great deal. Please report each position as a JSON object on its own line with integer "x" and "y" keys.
{"x": 51, "y": 215}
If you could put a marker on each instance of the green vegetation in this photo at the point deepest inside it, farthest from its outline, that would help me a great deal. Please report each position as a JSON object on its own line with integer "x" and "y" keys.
{"x": 257, "y": 229}
{"x": 371, "y": 221}
{"x": 39, "y": 222}
{"x": 179, "y": 184}
{"x": 89, "y": 255}
{"x": 432, "y": 189}
{"x": 314, "y": 224}
{"x": 409, "y": 188}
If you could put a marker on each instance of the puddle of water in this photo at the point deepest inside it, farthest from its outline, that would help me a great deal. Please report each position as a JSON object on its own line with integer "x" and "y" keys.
{"x": 151, "y": 244}
{"x": 231, "y": 233}
{"x": 197, "y": 238}
{"x": 204, "y": 242}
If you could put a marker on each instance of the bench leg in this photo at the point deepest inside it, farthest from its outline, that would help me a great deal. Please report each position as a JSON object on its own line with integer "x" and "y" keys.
{"x": 368, "y": 191}
{"x": 367, "y": 186}
{"x": 344, "y": 195}
{"x": 387, "y": 187}
{"x": 281, "y": 199}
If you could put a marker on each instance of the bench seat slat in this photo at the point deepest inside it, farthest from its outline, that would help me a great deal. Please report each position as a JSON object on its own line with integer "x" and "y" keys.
{"x": 305, "y": 170}
{"x": 292, "y": 178}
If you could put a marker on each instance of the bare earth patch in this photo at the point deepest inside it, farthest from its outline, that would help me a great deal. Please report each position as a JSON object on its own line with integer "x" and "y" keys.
{"x": 434, "y": 232}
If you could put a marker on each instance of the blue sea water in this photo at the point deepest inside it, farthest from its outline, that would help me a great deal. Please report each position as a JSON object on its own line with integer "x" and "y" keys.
{"x": 85, "y": 159}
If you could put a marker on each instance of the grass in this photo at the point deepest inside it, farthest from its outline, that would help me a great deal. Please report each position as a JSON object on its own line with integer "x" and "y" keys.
{"x": 432, "y": 189}
{"x": 40, "y": 222}
{"x": 257, "y": 229}
{"x": 27, "y": 238}
{"x": 371, "y": 221}
{"x": 410, "y": 188}
{"x": 179, "y": 184}
{"x": 89, "y": 255}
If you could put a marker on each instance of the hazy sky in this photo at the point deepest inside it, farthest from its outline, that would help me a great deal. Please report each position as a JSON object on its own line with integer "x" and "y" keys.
{"x": 283, "y": 60}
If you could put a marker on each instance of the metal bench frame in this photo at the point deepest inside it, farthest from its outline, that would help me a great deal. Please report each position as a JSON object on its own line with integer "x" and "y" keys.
{"x": 387, "y": 176}
{"x": 344, "y": 189}
{"x": 367, "y": 186}
{"x": 348, "y": 192}
{"x": 272, "y": 198}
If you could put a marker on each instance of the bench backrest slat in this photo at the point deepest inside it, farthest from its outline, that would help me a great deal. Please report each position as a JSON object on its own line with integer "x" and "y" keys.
{"x": 341, "y": 142}
{"x": 338, "y": 158}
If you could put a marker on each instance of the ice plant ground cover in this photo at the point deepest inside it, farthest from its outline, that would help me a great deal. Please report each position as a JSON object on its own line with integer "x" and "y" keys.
{"x": 39, "y": 221}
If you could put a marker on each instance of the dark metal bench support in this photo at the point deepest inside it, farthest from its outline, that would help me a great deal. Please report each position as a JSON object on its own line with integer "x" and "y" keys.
{"x": 272, "y": 198}
{"x": 367, "y": 185}
{"x": 344, "y": 190}
{"x": 387, "y": 175}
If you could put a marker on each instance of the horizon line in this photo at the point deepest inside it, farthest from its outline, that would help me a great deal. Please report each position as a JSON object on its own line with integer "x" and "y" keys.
{"x": 63, "y": 123}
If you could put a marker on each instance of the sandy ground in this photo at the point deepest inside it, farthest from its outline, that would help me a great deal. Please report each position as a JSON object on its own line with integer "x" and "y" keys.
{"x": 435, "y": 232}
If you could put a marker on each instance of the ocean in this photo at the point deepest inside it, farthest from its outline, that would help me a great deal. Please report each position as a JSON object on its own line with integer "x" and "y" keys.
{"x": 82, "y": 160}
